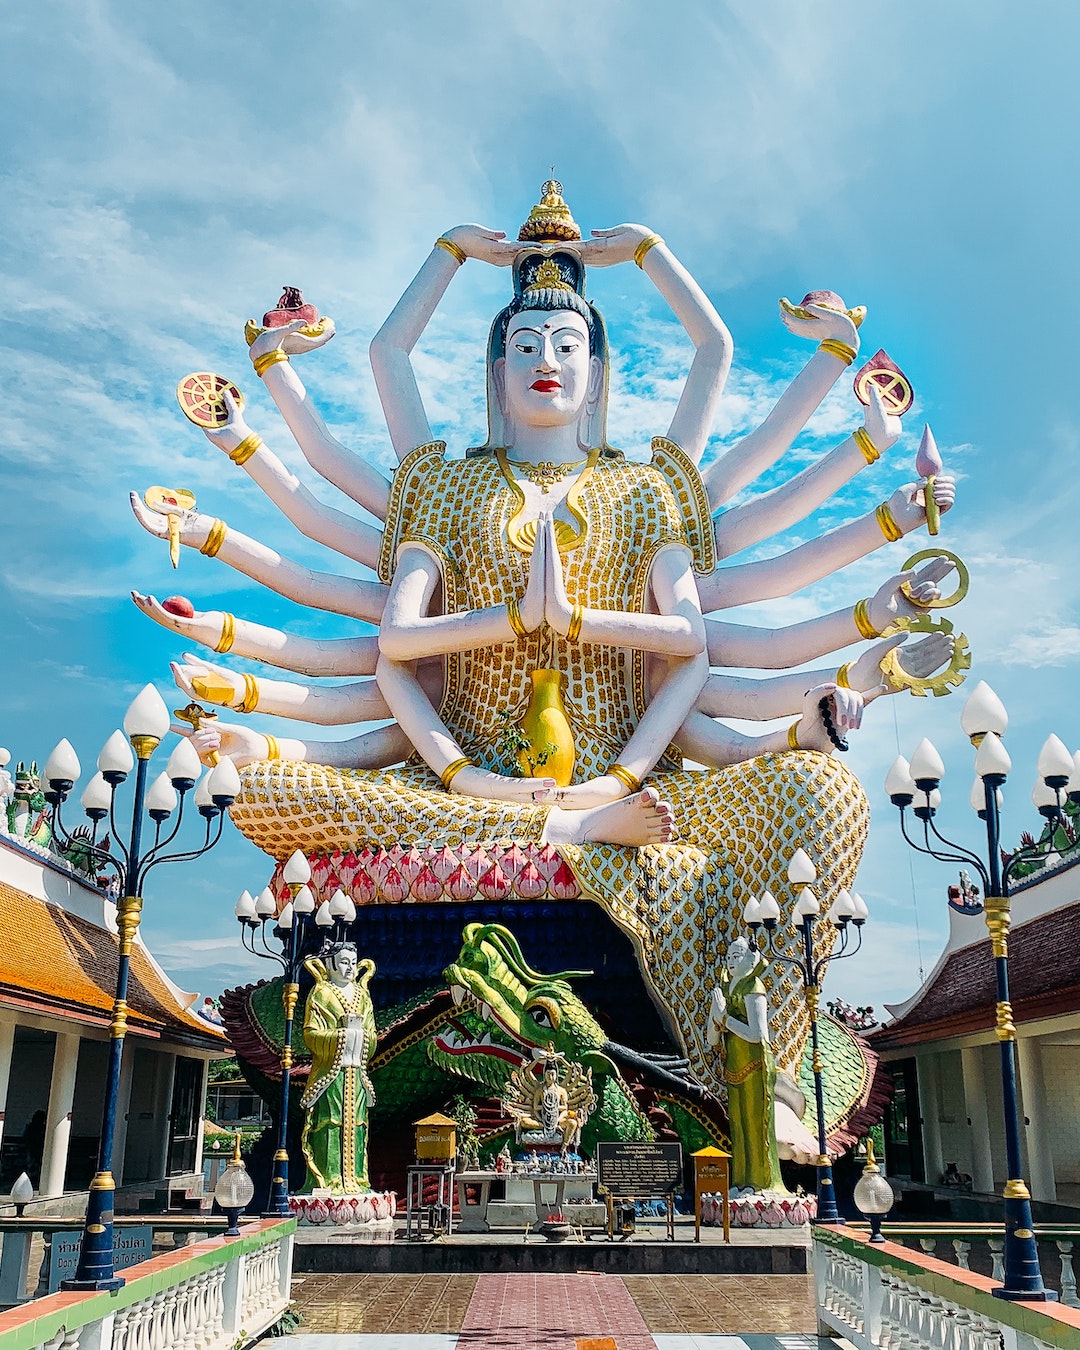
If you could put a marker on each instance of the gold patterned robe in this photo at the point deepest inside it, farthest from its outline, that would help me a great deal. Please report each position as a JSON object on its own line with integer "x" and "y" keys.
{"x": 736, "y": 827}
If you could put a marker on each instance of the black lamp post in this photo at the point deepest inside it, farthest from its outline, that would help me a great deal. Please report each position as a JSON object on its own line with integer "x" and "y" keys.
{"x": 290, "y": 928}
{"x": 813, "y": 952}
{"x": 145, "y": 725}
{"x": 916, "y": 786}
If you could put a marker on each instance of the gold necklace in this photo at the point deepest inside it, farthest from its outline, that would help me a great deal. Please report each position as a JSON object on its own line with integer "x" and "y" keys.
{"x": 522, "y": 533}
{"x": 545, "y": 474}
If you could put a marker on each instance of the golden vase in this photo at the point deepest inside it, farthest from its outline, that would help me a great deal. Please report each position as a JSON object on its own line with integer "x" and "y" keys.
{"x": 550, "y": 751}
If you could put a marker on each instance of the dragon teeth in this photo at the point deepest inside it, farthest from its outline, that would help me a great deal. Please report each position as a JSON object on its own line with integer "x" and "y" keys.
{"x": 458, "y": 994}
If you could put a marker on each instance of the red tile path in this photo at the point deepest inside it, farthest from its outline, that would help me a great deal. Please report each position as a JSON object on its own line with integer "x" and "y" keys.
{"x": 551, "y": 1312}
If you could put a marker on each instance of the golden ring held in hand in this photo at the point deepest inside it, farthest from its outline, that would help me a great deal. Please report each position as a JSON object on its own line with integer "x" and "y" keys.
{"x": 962, "y": 576}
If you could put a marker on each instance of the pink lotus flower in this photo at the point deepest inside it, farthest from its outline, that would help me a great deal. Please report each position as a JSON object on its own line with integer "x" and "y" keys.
{"x": 444, "y": 862}
{"x": 461, "y": 885}
{"x": 494, "y": 884}
{"x": 317, "y": 1211}
{"x": 528, "y": 883}
{"x": 394, "y": 888}
{"x": 427, "y": 887}
{"x": 563, "y": 885}
{"x": 547, "y": 860}
{"x": 513, "y": 860}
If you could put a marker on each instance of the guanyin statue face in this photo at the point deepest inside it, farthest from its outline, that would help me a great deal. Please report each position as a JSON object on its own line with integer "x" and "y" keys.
{"x": 547, "y": 375}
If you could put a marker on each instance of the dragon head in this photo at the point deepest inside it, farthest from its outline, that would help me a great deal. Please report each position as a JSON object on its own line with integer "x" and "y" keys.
{"x": 507, "y": 1014}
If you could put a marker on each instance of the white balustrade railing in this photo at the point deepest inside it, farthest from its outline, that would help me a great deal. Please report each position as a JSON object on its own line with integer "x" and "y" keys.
{"x": 888, "y": 1297}
{"x": 217, "y": 1295}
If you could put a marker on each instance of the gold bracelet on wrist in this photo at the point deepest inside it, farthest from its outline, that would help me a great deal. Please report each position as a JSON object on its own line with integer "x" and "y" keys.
{"x": 861, "y": 616}
{"x": 842, "y": 350}
{"x": 625, "y": 777}
{"x": 889, "y": 527}
{"x": 250, "y": 701}
{"x": 793, "y": 735}
{"x": 452, "y": 770}
{"x": 843, "y": 676}
{"x": 228, "y": 634}
{"x": 577, "y": 616}
{"x": 647, "y": 243}
{"x": 870, "y": 452}
{"x": 517, "y": 623}
{"x": 273, "y": 750}
{"x": 263, "y": 363}
{"x": 215, "y": 539}
{"x": 246, "y": 448}
{"x": 453, "y": 249}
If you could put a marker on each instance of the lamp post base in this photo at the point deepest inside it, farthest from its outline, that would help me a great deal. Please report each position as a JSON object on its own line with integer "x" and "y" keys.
{"x": 95, "y": 1272}
{"x": 277, "y": 1202}
{"x": 826, "y": 1195}
{"x": 1023, "y": 1276}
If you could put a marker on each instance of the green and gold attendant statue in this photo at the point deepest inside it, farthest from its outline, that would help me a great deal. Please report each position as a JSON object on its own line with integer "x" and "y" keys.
{"x": 739, "y": 1015}
{"x": 339, "y": 1030}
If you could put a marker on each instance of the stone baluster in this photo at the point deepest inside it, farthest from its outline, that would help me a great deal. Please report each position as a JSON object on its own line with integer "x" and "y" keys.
{"x": 887, "y": 1334}
{"x": 997, "y": 1251}
{"x": 963, "y": 1253}
{"x": 1068, "y": 1275}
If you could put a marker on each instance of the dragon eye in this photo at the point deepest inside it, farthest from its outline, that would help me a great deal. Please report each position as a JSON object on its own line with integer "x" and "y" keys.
{"x": 545, "y": 1013}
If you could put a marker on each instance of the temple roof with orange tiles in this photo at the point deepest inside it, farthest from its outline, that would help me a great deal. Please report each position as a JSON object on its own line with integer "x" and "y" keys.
{"x": 59, "y": 956}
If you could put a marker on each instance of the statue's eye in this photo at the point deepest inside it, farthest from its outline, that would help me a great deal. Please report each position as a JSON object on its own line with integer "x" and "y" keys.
{"x": 545, "y": 1013}
{"x": 527, "y": 347}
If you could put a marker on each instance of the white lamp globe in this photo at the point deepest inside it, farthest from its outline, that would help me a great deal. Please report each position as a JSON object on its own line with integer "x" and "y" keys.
{"x": 62, "y": 767}
{"x": 266, "y": 904}
{"x": 807, "y": 905}
{"x": 96, "y": 798}
{"x": 285, "y": 918}
{"x": 350, "y": 914}
{"x": 899, "y": 782}
{"x": 297, "y": 871}
{"x": 801, "y": 871}
{"x": 184, "y": 767}
{"x": 842, "y": 908}
{"x": 858, "y": 904}
{"x": 161, "y": 799}
{"x": 983, "y": 711}
{"x": 223, "y": 782}
{"x": 768, "y": 908}
{"x": 1055, "y": 763}
{"x": 147, "y": 715}
{"x": 339, "y": 903}
{"x": 751, "y": 914}
{"x": 116, "y": 760}
{"x": 245, "y": 906}
{"x": 323, "y": 917}
{"x": 927, "y": 766}
{"x": 992, "y": 759}
{"x": 304, "y": 901}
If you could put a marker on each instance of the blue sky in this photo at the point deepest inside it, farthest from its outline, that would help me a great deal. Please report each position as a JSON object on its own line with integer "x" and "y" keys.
{"x": 167, "y": 168}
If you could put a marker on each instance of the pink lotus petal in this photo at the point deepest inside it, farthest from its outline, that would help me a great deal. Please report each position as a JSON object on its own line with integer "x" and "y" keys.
{"x": 494, "y": 884}
{"x": 461, "y": 884}
{"x": 444, "y": 863}
{"x": 563, "y": 885}
{"x": 394, "y": 888}
{"x": 528, "y": 883}
{"x": 427, "y": 888}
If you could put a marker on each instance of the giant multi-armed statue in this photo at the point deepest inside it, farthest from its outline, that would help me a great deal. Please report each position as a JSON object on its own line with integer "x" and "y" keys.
{"x": 550, "y": 671}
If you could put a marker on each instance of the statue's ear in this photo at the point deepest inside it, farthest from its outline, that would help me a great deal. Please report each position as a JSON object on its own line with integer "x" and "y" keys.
{"x": 596, "y": 385}
{"x": 498, "y": 375}
{"x": 598, "y": 1062}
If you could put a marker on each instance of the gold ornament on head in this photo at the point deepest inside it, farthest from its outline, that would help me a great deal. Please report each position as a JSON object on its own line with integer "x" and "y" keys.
{"x": 550, "y": 221}
{"x": 548, "y": 278}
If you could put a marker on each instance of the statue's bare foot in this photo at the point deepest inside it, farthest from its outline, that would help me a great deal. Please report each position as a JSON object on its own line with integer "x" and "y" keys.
{"x": 640, "y": 819}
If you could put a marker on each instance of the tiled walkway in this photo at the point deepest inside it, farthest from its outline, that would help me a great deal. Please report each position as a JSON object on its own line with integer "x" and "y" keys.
{"x": 553, "y": 1312}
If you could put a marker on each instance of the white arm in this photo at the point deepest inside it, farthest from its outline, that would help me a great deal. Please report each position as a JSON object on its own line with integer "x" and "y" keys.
{"x": 392, "y": 345}
{"x": 336, "y": 529}
{"x": 781, "y": 648}
{"x": 333, "y": 705}
{"x": 747, "y": 459}
{"x": 319, "y": 590}
{"x": 716, "y": 745}
{"x": 304, "y": 656}
{"x": 774, "y": 511}
{"x": 376, "y": 749}
{"x": 790, "y": 572}
{"x": 327, "y": 456}
{"x": 709, "y": 369}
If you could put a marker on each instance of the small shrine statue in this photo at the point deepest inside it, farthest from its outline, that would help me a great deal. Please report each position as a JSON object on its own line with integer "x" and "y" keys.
{"x": 739, "y": 1016}
{"x": 552, "y": 1108}
{"x": 339, "y": 1030}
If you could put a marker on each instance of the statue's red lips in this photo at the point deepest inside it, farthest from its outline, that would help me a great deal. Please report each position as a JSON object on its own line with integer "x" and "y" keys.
{"x": 546, "y": 386}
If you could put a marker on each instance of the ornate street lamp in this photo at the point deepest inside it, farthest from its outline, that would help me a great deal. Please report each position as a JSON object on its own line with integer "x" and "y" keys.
{"x": 289, "y": 928}
{"x": 817, "y": 950}
{"x": 145, "y": 725}
{"x": 915, "y": 785}
{"x": 234, "y": 1190}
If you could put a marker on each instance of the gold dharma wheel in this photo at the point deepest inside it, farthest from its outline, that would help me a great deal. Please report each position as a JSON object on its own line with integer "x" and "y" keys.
{"x": 963, "y": 578}
{"x": 201, "y": 401}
